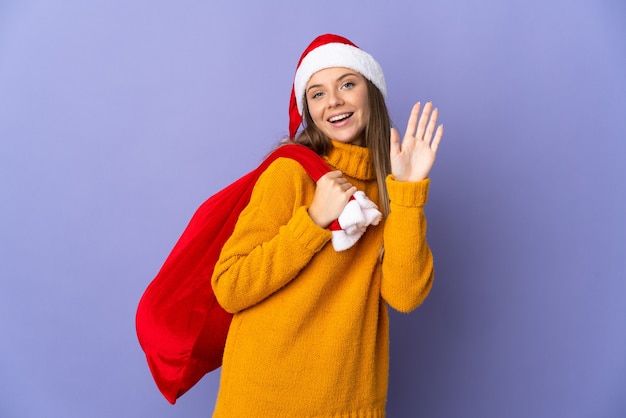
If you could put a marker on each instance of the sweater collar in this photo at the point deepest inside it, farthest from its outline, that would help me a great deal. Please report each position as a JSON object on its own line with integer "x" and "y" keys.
{"x": 352, "y": 160}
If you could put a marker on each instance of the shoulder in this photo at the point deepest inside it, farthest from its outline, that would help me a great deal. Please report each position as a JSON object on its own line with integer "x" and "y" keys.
{"x": 283, "y": 180}
{"x": 282, "y": 187}
{"x": 284, "y": 169}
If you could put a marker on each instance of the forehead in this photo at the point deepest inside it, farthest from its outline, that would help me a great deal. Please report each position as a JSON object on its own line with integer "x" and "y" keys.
{"x": 330, "y": 75}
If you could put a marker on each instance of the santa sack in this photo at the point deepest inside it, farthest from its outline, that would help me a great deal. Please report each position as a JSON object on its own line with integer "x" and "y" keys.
{"x": 180, "y": 325}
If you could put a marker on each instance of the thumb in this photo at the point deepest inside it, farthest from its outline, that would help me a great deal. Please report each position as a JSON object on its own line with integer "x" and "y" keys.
{"x": 394, "y": 143}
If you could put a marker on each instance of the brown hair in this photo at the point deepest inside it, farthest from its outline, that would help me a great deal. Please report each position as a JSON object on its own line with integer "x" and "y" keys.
{"x": 376, "y": 136}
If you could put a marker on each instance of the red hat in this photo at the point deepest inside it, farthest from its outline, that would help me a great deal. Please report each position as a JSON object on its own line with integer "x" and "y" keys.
{"x": 328, "y": 51}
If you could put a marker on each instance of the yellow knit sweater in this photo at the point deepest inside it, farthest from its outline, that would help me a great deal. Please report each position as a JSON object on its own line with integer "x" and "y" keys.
{"x": 309, "y": 336}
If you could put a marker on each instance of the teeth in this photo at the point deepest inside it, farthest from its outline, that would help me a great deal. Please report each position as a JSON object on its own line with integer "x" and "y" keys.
{"x": 339, "y": 117}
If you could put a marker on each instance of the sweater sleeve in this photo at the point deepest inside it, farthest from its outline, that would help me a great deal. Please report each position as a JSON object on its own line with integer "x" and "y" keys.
{"x": 274, "y": 238}
{"x": 407, "y": 270}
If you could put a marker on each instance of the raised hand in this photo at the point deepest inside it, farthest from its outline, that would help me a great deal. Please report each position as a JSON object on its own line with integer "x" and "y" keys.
{"x": 413, "y": 159}
{"x": 332, "y": 193}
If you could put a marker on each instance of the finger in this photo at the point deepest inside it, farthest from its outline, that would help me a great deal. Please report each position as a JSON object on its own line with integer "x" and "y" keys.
{"x": 411, "y": 125}
{"x": 432, "y": 124}
{"x": 330, "y": 176}
{"x": 438, "y": 135}
{"x": 423, "y": 120}
{"x": 335, "y": 174}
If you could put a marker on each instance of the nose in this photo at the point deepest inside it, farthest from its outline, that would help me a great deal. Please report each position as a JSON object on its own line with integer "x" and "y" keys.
{"x": 334, "y": 98}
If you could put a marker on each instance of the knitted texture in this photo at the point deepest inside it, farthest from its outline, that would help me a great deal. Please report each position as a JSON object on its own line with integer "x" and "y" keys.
{"x": 309, "y": 336}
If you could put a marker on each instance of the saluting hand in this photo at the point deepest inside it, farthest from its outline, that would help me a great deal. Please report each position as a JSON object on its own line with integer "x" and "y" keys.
{"x": 413, "y": 159}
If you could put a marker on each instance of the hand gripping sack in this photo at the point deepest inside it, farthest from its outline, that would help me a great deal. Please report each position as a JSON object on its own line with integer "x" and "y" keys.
{"x": 180, "y": 325}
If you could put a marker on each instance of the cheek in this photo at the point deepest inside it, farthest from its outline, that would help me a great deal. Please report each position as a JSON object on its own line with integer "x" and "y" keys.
{"x": 316, "y": 113}
{"x": 365, "y": 113}
{"x": 362, "y": 102}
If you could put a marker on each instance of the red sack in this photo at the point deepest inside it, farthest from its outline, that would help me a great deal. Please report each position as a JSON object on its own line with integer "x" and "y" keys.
{"x": 180, "y": 325}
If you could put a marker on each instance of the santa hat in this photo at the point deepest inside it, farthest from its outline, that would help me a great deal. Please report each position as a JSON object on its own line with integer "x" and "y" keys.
{"x": 328, "y": 51}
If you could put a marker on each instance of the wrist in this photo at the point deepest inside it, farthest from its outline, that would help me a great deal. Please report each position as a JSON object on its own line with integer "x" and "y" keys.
{"x": 317, "y": 219}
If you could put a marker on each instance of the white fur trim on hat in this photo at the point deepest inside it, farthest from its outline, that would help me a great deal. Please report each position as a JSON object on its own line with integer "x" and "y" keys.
{"x": 337, "y": 55}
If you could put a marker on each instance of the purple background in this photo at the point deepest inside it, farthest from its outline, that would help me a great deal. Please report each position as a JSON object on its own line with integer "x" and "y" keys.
{"x": 118, "y": 118}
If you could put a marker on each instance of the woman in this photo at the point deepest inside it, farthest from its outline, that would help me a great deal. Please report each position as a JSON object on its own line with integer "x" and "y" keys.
{"x": 309, "y": 335}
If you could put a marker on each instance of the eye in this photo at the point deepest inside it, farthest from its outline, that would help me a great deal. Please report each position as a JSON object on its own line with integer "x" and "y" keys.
{"x": 347, "y": 85}
{"x": 315, "y": 95}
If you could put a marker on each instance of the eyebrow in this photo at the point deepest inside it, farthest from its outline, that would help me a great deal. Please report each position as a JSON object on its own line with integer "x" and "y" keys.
{"x": 338, "y": 79}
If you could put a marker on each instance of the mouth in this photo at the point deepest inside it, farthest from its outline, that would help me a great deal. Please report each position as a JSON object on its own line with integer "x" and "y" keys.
{"x": 340, "y": 118}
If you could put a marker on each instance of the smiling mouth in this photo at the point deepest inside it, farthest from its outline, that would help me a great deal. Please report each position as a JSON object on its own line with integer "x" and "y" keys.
{"x": 340, "y": 118}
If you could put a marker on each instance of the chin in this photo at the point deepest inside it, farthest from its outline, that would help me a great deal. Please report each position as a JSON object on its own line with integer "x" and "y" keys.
{"x": 346, "y": 138}
{"x": 351, "y": 140}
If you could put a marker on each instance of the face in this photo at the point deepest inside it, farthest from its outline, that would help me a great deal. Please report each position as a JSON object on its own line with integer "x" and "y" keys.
{"x": 338, "y": 104}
